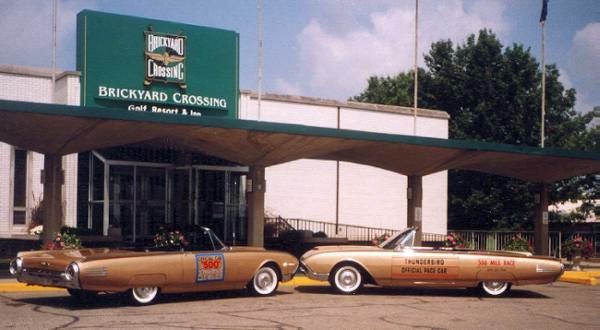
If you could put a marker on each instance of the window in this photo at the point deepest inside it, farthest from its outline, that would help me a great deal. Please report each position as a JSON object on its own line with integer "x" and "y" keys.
{"x": 20, "y": 187}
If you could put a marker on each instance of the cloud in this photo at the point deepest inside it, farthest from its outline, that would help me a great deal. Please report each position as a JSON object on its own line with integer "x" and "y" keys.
{"x": 565, "y": 79}
{"x": 337, "y": 64}
{"x": 26, "y": 31}
{"x": 583, "y": 68}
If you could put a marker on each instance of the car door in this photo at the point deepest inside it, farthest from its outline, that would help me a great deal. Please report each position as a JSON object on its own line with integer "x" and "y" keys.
{"x": 206, "y": 269}
{"x": 412, "y": 266}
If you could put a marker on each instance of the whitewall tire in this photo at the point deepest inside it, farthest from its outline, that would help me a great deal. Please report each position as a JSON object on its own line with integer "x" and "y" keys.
{"x": 143, "y": 295}
{"x": 347, "y": 279}
{"x": 495, "y": 288}
{"x": 264, "y": 282}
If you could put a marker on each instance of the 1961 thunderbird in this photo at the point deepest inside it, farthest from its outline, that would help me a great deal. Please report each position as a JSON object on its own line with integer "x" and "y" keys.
{"x": 143, "y": 275}
{"x": 396, "y": 262}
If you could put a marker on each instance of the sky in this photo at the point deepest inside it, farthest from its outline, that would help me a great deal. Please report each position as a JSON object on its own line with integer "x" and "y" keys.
{"x": 329, "y": 48}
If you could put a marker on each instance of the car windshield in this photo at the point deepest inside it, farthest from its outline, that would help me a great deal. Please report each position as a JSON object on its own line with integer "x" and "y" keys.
{"x": 206, "y": 240}
{"x": 401, "y": 239}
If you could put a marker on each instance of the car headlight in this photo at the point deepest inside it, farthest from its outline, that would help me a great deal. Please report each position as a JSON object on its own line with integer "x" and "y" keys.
{"x": 72, "y": 272}
{"x": 15, "y": 266}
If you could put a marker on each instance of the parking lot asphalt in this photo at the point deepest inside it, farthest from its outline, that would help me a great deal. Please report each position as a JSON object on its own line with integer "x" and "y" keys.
{"x": 554, "y": 306}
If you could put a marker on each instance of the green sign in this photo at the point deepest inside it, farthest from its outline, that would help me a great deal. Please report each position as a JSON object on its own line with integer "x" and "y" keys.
{"x": 139, "y": 64}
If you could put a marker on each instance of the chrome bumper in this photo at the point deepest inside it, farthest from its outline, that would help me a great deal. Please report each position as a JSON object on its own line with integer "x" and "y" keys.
{"x": 289, "y": 276}
{"x": 46, "y": 278}
{"x": 312, "y": 275}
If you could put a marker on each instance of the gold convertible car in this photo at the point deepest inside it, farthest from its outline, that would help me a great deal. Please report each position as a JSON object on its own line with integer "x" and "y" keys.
{"x": 396, "y": 262}
{"x": 143, "y": 275}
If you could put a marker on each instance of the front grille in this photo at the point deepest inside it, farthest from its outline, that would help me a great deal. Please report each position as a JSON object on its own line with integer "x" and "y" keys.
{"x": 43, "y": 273}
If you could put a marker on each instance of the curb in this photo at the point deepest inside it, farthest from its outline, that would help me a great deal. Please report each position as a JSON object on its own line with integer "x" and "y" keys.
{"x": 304, "y": 281}
{"x": 582, "y": 277}
{"x": 14, "y": 286}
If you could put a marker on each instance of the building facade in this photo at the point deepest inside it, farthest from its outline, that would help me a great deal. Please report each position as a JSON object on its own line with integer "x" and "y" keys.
{"x": 149, "y": 186}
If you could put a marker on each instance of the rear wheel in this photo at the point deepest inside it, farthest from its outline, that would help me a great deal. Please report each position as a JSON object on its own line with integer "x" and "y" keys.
{"x": 264, "y": 282}
{"x": 347, "y": 279}
{"x": 495, "y": 288}
{"x": 143, "y": 295}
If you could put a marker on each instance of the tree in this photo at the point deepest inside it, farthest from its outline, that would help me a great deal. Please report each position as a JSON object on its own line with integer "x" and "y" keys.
{"x": 493, "y": 94}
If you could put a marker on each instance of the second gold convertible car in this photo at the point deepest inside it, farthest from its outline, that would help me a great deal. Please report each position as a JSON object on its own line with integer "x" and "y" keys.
{"x": 143, "y": 275}
{"x": 396, "y": 262}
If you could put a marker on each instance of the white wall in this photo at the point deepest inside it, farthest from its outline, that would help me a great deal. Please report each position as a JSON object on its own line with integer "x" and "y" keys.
{"x": 368, "y": 196}
{"x": 35, "y": 85}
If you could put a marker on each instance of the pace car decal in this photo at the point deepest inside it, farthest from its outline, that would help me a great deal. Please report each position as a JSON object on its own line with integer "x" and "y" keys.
{"x": 426, "y": 267}
{"x": 210, "y": 267}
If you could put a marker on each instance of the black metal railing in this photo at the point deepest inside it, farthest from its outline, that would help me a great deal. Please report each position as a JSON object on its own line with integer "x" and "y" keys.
{"x": 275, "y": 226}
{"x": 477, "y": 239}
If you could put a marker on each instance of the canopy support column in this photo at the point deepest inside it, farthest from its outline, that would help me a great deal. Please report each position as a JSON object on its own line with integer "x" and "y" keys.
{"x": 255, "y": 195}
{"x": 53, "y": 180}
{"x": 414, "y": 195}
{"x": 541, "y": 221}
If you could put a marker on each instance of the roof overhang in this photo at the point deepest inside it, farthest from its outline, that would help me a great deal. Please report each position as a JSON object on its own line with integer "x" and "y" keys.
{"x": 62, "y": 129}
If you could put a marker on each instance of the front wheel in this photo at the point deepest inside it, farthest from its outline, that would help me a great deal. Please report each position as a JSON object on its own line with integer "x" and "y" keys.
{"x": 143, "y": 295}
{"x": 347, "y": 279}
{"x": 264, "y": 282}
{"x": 494, "y": 288}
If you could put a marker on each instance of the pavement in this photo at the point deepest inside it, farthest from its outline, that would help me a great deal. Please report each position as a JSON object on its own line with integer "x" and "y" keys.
{"x": 589, "y": 276}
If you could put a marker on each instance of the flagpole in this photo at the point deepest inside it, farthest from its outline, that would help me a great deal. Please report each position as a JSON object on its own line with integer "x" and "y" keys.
{"x": 260, "y": 53}
{"x": 543, "y": 17}
{"x": 543, "y": 121}
{"x": 415, "y": 101}
{"x": 54, "y": 10}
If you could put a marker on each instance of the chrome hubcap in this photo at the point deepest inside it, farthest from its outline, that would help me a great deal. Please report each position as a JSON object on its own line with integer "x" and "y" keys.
{"x": 144, "y": 292}
{"x": 347, "y": 279}
{"x": 144, "y": 295}
{"x": 495, "y": 287}
{"x": 264, "y": 280}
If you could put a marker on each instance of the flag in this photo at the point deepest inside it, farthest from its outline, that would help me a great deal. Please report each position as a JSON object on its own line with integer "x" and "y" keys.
{"x": 544, "y": 11}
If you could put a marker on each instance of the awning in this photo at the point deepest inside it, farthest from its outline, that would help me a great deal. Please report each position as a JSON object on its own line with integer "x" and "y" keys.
{"x": 62, "y": 129}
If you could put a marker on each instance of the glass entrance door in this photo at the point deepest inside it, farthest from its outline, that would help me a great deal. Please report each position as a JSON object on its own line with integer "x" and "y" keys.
{"x": 137, "y": 200}
{"x": 122, "y": 199}
{"x": 221, "y": 203}
{"x": 210, "y": 194}
{"x": 151, "y": 200}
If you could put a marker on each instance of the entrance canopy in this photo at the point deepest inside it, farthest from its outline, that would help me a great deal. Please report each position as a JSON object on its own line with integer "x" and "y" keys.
{"x": 61, "y": 129}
